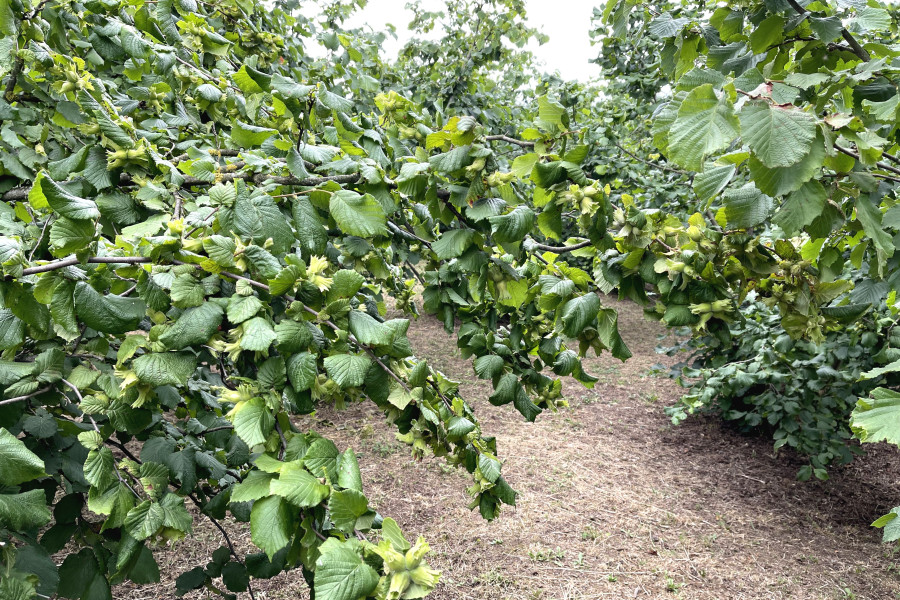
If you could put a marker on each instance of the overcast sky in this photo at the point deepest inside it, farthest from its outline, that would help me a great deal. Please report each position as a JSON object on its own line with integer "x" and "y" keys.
{"x": 567, "y": 22}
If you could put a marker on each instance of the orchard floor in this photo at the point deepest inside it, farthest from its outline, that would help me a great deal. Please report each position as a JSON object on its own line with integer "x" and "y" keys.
{"x": 615, "y": 502}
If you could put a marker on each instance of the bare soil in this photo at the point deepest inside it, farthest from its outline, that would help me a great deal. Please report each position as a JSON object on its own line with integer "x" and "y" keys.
{"x": 615, "y": 501}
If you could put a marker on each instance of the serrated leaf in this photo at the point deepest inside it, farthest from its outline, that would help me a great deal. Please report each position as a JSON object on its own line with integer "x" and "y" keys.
{"x": 18, "y": 464}
{"x": 301, "y": 370}
{"x": 107, "y": 313}
{"x": 705, "y": 124}
{"x": 342, "y": 575}
{"x": 48, "y": 192}
{"x": 271, "y": 524}
{"x": 347, "y": 370}
{"x": 778, "y": 136}
{"x": 356, "y": 214}
{"x": 194, "y": 327}
{"x": 165, "y": 368}
{"x": 253, "y": 421}
{"x": 877, "y": 418}
{"x": 578, "y": 313}
{"x": 297, "y": 486}
{"x": 746, "y": 206}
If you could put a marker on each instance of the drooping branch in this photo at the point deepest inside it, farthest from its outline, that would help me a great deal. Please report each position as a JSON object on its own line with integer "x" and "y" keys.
{"x": 26, "y": 396}
{"x": 855, "y": 47}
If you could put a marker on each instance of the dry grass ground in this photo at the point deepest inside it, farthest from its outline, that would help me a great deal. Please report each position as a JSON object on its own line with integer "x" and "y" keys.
{"x": 615, "y": 502}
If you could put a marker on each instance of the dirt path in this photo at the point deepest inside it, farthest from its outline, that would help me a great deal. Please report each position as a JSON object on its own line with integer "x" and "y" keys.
{"x": 617, "y": 503}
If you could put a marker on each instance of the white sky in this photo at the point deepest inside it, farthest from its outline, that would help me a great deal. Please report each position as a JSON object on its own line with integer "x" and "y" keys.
{"x": 567, "y": 22}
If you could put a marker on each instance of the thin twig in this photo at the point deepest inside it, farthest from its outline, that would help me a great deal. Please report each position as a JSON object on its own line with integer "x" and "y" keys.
{"x": 509, "y": 140}
{"x": 26, "y": 396}
{"x": 561, "y": 249}
{"x": 855, "y": 47}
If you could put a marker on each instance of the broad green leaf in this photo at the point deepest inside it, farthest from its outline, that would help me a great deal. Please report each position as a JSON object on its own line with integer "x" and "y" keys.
{"x": 255, "y": 485}
{"x": 107, "y": 313}
{"x": 779, "y": 181}
{"x": 346, "y": 507}
{"x": 713, "y": 179}
{"x": 877, "y": 418}
{"x": 242, "y": 308}
{"x": 310, "y": 232}
{"x": 347, "y": 370}
{"x": 342, "y": 575}
{"x": 18, "y": 464}
{"x": 301, "y": 370}
{"x": 746, "y": 206}
{"x": 47, "y": 192}
{"x": 245, "y": 135}
{"x": 778, "y": 136}
{"x": 705, "y": 124}
{"x": 253, "y": 421}
{"x": 298, "y": 487}
{"x": 356, "y": 214}
{"x": 68, "y": 235}
{"x": 369, "y": 331}
{"x": 578, "y": 313}
{"x": 271, "y": 524}
{"x": 258, "y": 335}
{"x": 453, "y": 243}
{"x": 801, "y": 208}
{"x": 349, "y": 476}
{"x": 194, "y": 327}
{"x": 512, "y": 227}
{"x": 165, "y": 368}
{"x": 21, "y": 512}
{"x": 259, "y": 218}
{"x": 869, "y": 215}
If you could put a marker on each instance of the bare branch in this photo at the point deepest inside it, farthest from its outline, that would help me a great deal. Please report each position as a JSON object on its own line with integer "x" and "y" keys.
{"x": 509, "y": 140}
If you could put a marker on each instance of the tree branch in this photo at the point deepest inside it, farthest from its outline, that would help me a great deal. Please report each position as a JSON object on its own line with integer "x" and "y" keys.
{"x": 854, "y": 45}
{"x": 72, "y": 261}
{"x": 509, "y": 140}
{"x": 651, "y": 163}
{"x": 561, "y": 249}
{"x": 26, "y": 396}
{"x": 855, "y": 155}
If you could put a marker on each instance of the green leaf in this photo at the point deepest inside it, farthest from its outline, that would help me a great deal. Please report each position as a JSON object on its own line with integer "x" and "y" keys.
{"x": 868, "y": 213}
{"x": 346, "y": 283}
{"x": 369, "y": 331}
{"x": 391, "y": 532}
{"x": 877, "y": 418}
{"x": 271, "y": 524}
{"x": 705, "y": 124}
{"x": 341, "y": 574}
{"x": 801, "y": 208}
{"x": 165, "y": 368}
{"x": 453, "y": 243}
{"x": 488, "y": 366}
{"x": 357, "y": 215}
{"x": 451, "y": 161}
{"x": 578, "y": 313}
{"x": 298, "y": 487}
{"x": 45, "y": 191}
{"x": 778, "y": 136}
{"x": 713, "y": 179}
{"x": 245, "y": 135}
{"x": 779, "y": 181}
{"x": 255, "y": 485}
{"x": 260, "y": 218}
{"x": 68, "y": 236}
{"x": 21, "y": 512}
{"x": 258, "y": 335}
{"x": 310, "y": 231}
{"x": 512, "y": 227}
{"x": 242, "y": 308}
{"x": 18, "y": 464}
{"x": 194, "y": 327}
{"x": 349, "y": 476}
{"x": 346, "y": 507}
{"x": 107, "y": 313}
{"x": 746, "y": 206}
{"x": 253, "y": 421}
{"x": 301, "y": 370}
{"x": 347, "y": 370}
